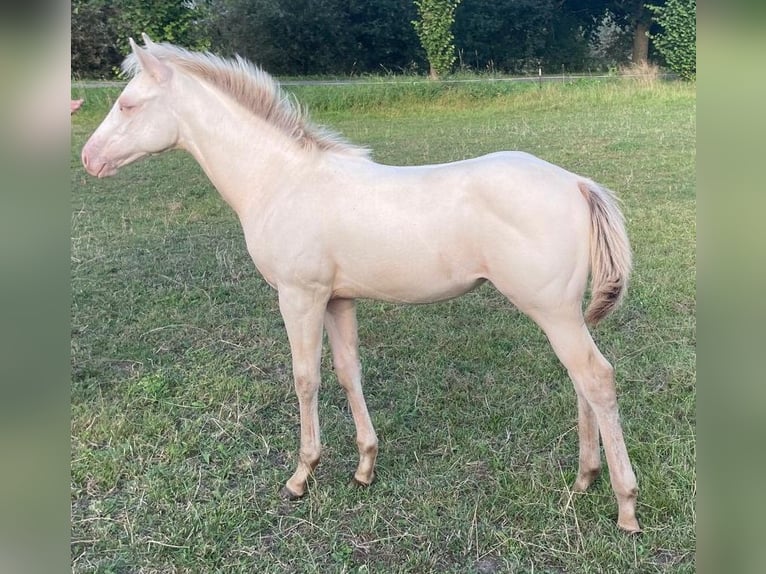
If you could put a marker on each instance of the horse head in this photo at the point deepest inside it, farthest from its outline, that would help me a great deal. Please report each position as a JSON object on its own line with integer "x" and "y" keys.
{"x": 141, "y": 122}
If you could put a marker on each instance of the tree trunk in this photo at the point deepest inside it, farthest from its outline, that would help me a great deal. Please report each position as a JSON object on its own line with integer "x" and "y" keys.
{"x": 640, "y": 43}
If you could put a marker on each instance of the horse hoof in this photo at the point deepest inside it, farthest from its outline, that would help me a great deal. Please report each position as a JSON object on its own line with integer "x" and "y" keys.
{"x": 287, "y": 494}
{"x": 356, "y": 483}
{"x": 630, "y": 526}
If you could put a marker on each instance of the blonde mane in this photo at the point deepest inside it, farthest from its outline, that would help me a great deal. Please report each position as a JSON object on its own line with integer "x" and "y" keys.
{"x": 252, "y": 88}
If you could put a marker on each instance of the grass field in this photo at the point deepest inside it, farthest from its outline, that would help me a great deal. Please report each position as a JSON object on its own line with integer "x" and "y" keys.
{"x": 184, "y": 421}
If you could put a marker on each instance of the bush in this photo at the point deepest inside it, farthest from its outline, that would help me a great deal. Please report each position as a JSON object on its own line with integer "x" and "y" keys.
{"x": 434, "y": 28}
{"x": 677, "y": 42}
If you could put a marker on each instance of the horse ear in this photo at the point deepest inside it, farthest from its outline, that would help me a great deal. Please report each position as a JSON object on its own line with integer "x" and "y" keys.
{"x": 150, "y": 63}
{"x": 147, "y": 40}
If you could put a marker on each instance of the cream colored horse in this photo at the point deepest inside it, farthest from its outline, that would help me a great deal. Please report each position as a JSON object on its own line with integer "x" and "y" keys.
{"x": 325, "y": 225}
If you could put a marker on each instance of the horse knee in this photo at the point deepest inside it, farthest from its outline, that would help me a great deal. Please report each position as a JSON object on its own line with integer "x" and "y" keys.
{"x": 306, "y": 386}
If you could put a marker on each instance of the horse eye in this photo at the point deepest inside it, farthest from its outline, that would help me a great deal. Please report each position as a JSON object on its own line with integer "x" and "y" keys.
{"x": 126, "y": 107}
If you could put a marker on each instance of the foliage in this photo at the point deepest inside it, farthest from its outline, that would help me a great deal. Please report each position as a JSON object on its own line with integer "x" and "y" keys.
{"x": 178, "y": 21}
{"x": 350, "y": 37}
{"x": 610, "y": 42}
{"x": 434, "y": 28}
{"x": 93, "y": 38}
{"x": 317, "y": 36}
{"x": 566, "y": 43}
{"x": 634, "y": 17}
{"x": 503, "y": 35}
{"x": 677, "y": 40}
{"x": 285, "y": 36}
{"x": 101, "y": 28}
{"x": 382, "y": 36}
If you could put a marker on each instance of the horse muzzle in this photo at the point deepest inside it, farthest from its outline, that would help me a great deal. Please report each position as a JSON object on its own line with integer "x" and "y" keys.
{"x": 94, "y": 164}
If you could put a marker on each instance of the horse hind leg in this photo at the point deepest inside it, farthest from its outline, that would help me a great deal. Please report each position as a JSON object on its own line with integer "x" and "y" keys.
{"x": 593, "y": 379}
{"x": 590, "y": 456}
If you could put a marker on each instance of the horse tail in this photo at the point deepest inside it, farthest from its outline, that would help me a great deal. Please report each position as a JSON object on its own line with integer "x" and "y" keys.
{"x": 610, "y": 256}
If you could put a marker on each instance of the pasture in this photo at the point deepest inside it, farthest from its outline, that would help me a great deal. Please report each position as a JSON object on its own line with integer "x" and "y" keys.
{"x": 184, "y": 419}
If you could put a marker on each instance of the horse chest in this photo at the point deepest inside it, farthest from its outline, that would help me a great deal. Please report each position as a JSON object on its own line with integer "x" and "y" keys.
{"x": 287, "y": 257}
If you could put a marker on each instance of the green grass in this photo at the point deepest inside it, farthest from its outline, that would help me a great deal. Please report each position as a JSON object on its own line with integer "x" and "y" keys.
{"x": 184, "y": 422}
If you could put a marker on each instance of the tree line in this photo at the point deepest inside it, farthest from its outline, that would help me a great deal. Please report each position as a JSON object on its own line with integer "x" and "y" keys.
{"x": 346, "y": 37}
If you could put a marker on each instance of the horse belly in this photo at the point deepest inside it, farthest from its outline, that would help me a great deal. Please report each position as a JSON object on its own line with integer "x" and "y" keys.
{"x": 405, "y": 278}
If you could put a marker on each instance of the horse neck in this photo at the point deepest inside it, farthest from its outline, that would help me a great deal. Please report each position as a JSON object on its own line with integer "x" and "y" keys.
{"x": 244, "y": 156}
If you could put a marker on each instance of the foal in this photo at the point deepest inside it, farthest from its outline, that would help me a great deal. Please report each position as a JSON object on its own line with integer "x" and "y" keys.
{"x": 325, "y": 225}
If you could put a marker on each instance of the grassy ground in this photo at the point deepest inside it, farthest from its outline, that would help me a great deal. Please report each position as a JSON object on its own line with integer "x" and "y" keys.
{"x": 184, "y": 423}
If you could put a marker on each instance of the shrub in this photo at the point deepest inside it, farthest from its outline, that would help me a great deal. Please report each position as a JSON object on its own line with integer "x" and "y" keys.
{"x": 677, "y": 41}
{"x": 435, "y": 32}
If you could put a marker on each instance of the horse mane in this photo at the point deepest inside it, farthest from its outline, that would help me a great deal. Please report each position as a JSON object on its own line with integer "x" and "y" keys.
{"x": 254, "y": 89}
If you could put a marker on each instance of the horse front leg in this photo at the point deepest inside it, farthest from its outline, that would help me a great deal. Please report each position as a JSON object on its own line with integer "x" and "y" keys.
{"x": 302, "y": 312}
{"x": 340, "y": 323}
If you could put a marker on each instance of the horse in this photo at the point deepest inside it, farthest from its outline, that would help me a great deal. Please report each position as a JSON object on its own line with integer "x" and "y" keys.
{"x": 325, "y": 225}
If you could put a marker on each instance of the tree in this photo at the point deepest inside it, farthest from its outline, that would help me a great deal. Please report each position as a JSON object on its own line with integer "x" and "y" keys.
{"x": 291, "y": 37}
{"x": 677, "y": 40}
{"x": 93, "y": 49}
{"x": 635, "y": 15}
{"x": 317, "y": 36}
{"x": 382, "y": 36}
{"x": 641, "y": 22}
{"x": 181, "y": 22}
{"x": 100, "y": 29}
{"x": 611, "y": 42}
{"x": 508, "y": 35}
{"x": 434, "y": 28}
